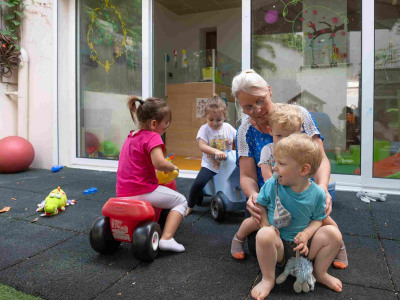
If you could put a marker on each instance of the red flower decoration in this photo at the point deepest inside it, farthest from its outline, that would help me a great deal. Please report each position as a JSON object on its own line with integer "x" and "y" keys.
{"x": 301, "y": 19}
{"x": 310, "y": 36}
{"x": 312, "y": 25}
{"x": 314, "y": 11}
{"x": 323, "y": 30}
{"x": 333, "y": 35}
{"x": 343, "y": 33}
{"x": 335, "y": 20}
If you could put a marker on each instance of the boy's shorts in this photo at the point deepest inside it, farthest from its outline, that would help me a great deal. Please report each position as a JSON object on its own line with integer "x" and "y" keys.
{"x": 288, "y": 252}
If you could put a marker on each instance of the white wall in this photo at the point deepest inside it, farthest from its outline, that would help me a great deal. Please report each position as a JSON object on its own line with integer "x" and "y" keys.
{"x": 8, "y": 108}
{"x": 37, "y": 40}
{"x": 183, "y": 32}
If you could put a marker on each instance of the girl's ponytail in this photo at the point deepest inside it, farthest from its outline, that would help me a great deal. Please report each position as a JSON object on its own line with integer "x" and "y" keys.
{"x": 151, "y": 109}
{"x": 132, "y": 106}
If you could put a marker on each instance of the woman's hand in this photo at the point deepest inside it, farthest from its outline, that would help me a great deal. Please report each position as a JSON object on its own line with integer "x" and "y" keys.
{"x": 328, "y": 202}
{"x": 301, "y": 239}
{"x": 253, "y": 209}
{"x": 219, "y": 154}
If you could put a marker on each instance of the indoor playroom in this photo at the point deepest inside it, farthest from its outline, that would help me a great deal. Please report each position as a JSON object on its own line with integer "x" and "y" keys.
{"x": 197, "y": 52}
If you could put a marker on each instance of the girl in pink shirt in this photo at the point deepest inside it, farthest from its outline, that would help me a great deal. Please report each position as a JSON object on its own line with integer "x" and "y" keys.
{"x": 141, "y": 154}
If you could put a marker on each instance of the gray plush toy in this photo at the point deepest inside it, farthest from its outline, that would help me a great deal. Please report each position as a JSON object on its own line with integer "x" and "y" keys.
{"x": 302, "y": 269}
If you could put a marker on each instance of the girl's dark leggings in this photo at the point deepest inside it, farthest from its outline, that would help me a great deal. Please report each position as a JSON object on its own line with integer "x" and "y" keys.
{"x": 196, "y": 191}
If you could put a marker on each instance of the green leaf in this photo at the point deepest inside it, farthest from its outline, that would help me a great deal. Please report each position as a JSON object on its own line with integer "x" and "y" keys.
{"x": 16, "y": 23}
{"x": 5, "y": 32}
{"x": 19, "y": 14}
{"x": 9, "y": 17}
{"x": 17, "y": 47}
{"x": 7, "y": 4}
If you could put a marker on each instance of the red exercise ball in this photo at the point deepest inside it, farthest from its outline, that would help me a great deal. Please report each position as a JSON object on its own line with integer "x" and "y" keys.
{"x": 92, "y": 143}
{"x": 16, "y": 154}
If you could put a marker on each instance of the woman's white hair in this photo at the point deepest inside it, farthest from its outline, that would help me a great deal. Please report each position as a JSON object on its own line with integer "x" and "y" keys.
{"x": 248, "y": 81}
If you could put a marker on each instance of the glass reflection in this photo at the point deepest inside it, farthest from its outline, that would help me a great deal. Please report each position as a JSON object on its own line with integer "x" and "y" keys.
{"x": 387, "y": 90}
{"x": 310, "y": 53}
{"x": 109, "y": 69}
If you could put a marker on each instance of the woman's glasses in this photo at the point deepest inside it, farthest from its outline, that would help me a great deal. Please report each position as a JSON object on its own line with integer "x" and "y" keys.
{"x": 249, "y": 109}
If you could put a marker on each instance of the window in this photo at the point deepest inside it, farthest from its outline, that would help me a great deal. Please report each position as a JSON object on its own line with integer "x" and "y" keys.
{"x": 109, "y": 70}
{"x": 387, "y": 90}
{"x": 310, "y": 53}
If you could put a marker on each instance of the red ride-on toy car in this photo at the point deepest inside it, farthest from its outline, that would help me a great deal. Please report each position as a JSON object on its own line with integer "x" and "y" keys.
{"x": 127, "y": 220}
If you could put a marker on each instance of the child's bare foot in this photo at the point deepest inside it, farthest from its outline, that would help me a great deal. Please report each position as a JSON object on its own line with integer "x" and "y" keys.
{"x": 330, "y": 281}
{"x": 188, "y": 211}
{"x": 262, "y": 289}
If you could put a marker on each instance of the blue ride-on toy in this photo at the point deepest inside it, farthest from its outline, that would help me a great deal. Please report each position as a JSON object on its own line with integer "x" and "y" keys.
{"x": 225, "y": 189}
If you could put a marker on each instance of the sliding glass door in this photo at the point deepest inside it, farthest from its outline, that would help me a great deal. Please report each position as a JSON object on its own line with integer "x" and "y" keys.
{"x": 109, "y": 69}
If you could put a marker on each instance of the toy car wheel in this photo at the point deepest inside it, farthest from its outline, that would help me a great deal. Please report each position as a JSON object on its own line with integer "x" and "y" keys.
{"x": 145, "y": 241}
{"x": 217, "y": 209}
{"x": 101, "y": 238}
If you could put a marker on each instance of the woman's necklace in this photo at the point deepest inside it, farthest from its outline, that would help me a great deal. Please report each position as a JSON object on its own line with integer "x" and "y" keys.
{"x": 262, "y": 129}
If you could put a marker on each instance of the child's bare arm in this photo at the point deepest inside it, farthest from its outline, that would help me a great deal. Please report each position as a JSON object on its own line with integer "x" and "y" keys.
{"x": 301, "y": 239}
{"x": 205, "y": 148}
{"x": 264, "y": 218}
{"x": 159, "y": 162}
{"x": 266, "y": 171}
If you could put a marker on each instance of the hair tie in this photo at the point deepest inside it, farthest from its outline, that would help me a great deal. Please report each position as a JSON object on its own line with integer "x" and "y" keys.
{"x": 140, "y": 101}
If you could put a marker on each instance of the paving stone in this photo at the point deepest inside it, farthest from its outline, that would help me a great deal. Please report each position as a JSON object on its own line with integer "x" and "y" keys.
{"x": 367, "y": 264}
{"x": 388, "y": 224}
{"x": 184, "y": 276}
{"x": 285, "y": 291}
{"x": 391, "y": 204}
{"x": 208, "y": 238}
{"x": 21, "y": 240}
{"x": 392, "y": 252}
{"x": 71, "y": 270}
{"x": 23, "y": 204}
{"x": 78, "y": 217}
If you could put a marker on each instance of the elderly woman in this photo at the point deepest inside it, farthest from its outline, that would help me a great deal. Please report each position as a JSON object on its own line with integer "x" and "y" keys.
{"x": 254, "y": 96}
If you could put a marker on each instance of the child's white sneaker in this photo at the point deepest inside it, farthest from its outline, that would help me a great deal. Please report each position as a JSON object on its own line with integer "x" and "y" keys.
{"x": 171, "y": 245}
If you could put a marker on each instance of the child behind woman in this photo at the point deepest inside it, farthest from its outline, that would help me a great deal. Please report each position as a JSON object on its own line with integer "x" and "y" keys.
{"x": 141, "y": 153}
{"x": 214, "y": 138}
{"x": 283, "y": 120}
{"x": 297, "y": 158}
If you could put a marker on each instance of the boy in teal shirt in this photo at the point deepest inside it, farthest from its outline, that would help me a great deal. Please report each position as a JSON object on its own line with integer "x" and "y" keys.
{"x": 295, "y": 206}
